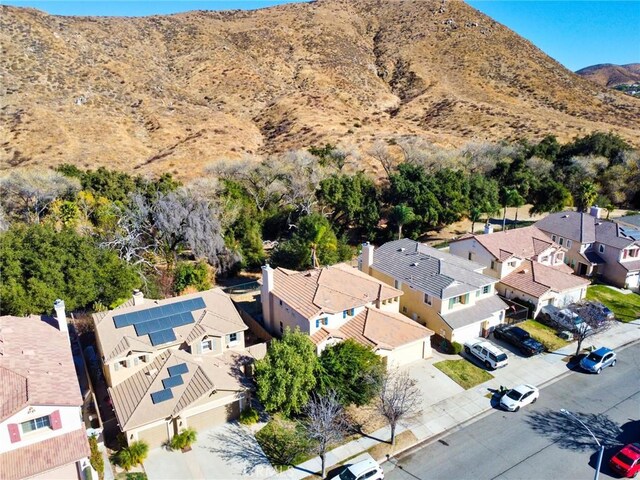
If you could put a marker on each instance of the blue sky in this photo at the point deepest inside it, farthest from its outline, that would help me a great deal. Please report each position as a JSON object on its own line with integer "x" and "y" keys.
{"x": 576, "y": 33}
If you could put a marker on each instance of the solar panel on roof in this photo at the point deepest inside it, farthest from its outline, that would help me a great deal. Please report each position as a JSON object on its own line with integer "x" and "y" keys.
{"x": 162, "y": 336}
{"x": 178, "y": 369}
{"x": 155, "y": 313}
{"x": 172, "y": 381}
{"x": 162, "y": 395}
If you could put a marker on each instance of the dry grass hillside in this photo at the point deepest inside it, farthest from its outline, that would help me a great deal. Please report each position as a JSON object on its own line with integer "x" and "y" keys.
{"x": 609, "y": 75}
{"x": 174, "y": 93}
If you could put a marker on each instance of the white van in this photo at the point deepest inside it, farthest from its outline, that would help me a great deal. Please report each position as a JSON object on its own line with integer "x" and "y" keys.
{"x": 489, "y": 354}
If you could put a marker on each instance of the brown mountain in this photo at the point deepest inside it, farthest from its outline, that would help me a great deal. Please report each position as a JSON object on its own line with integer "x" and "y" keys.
{"x": 609, "y": 75}
{"x": 173, "y": 93}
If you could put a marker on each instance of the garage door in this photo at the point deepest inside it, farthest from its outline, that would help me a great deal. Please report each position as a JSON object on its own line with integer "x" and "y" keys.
{"x": 467, "y": 333}
{"x": 154, "y": 436}
{"x": 632, "y": 280}
{"x": 214, "y": 417}
{"x": 406, "y": 354}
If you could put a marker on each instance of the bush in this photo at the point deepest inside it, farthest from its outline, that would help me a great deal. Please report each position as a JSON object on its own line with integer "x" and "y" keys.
{"x": 96, "y": 460}
{"x": 249, "y": 416}
{"x": 455, "y": 348}
{"x": 284, "y": 442}
{"x": 183, "y": 439}
{"x": 128, "y": 457}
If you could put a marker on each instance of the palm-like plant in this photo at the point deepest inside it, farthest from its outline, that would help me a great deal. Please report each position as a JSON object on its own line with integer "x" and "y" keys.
{"x": 129, "y": 457}
{"x": 183, "y": 439}
{"x": 401, "y": 215}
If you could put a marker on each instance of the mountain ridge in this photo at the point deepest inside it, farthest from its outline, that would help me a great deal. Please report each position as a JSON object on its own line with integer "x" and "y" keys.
{"x": 176, "y": 92}
{"x": 612, "y": 75}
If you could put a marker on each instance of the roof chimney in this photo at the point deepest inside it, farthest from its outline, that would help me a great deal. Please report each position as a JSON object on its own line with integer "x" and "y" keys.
{"x": 488, "y": 228}
{"x": 138, "y": 297}
{"x": 595, "y": 211}
{"x": 61, "y": 316}
{"x": 366, "y": 259}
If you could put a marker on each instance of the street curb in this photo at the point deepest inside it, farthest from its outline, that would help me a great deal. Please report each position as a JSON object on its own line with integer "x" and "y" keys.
{"x": 485, "y": 413}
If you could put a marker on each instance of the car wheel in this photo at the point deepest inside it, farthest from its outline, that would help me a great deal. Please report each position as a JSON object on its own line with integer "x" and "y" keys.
{"x": 516, "y": 409}
{"x": 467, "y": 350}
{"x": 613, "y": 364}
{"x": 488, "y": 365}
{"x": 497, "y": 335}
{"x": 598, "y": 371}
{"x": 534, "y": 400}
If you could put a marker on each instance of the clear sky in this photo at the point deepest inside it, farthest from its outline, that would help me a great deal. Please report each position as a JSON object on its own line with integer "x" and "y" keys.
{"x": 577, "y": 33}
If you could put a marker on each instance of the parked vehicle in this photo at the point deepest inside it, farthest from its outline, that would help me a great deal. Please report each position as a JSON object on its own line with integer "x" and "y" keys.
{"x": 563, "y": 319}
{"x": 366, "y": 469}
{"x": 519, "y": 397}
{"x": 490, "y": 355}
{"x": 599, "y": 359}
{"x": 518, "y": 337}
{"x": 627, "y": 461}
{"x": 594, "y": 313}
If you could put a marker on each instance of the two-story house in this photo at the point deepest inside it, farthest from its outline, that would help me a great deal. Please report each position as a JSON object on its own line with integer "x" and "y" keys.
{"x": 448, "y": 294}
{"x": 528, "y": 263}
{"x": 42, "y": 434}
{"x": 596, "y": 246}
{"x": 336, "y": 303}
{"x": 172, "y": 364}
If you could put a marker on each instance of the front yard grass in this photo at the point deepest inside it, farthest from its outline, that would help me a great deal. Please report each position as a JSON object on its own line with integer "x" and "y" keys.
{"x": 547, "y": 336}
{"x": 464, "y": 373}
{"x": 625, "y": 307}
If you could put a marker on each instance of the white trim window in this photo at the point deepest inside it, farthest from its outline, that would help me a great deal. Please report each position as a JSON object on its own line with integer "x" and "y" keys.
{"x": 569, "y": 243}
{"x": 427, "y": 299}
{"x": 36, "y": 424}
{"x": 232, "y": 338}
{"x": 601, "y": 248}
{"x": 206, "y": 345}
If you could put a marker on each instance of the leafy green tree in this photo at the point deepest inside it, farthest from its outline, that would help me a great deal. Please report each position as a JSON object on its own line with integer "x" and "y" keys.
{"x": 511, "y": 198}
{"x": 609, "y": 145}
{"x": 550, "y": 197}
{"x": 314, "y": 244}
{"x": 451, "y": 188}
{"x": 189, "y": 274}
{"x": 484, "y": 197}
{"x": 352, "y": 370}
{"x": 39, "y": 265}
{"x": 401, "y": 215}
{"x": 287, "y": 374}
{"x": 547, "y": 148}
{"x": 587, "y": 194}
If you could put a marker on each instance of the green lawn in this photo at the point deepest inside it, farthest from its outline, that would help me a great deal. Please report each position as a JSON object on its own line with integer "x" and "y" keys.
{"x": 625, "y": 307}
{"x": 464, "y": 373}
{"x": 545, "y": 335}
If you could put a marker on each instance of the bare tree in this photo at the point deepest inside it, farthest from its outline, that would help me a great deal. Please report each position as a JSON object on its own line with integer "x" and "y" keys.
{"x": 28, "y": 193}
{"x": 302, "y": 174}
{"x": 324, "y": 424}
{"x": 595, "y": 321}
{"x": 380, "y": 151}
{"x": 398, "y": 398}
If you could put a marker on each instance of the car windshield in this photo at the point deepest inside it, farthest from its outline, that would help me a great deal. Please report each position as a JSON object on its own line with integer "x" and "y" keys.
{"x": 594, "y": 357}
{"x": 624, "y": 459}
{"x": 501, "y": 358}
{"x": 514, "y": 395}
{"x": 346, "y": 475}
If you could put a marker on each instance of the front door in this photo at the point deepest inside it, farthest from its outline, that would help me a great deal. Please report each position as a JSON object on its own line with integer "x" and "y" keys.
{"x": 582, "y": 269}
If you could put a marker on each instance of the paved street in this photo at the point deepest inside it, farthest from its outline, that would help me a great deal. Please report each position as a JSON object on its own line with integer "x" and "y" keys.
{"x": 539, "y": 442}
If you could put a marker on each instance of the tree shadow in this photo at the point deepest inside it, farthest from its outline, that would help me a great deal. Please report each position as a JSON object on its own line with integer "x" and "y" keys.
{"x": 238, "y": 445}
{"x": 567, "y": 432}
{"x": 574, "y": 362}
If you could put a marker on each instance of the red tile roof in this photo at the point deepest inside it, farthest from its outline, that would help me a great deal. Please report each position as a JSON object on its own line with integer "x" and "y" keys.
{"x": 536, "y": 279}
{"x": 44, "y": 456}
{"x": 36, "y": 365}
{"x": 524, "y": 243}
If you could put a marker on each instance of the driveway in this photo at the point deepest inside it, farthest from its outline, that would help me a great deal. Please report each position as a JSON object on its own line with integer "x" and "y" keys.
{"x": 226, "y": 452}
{"x": 434, "y": 385}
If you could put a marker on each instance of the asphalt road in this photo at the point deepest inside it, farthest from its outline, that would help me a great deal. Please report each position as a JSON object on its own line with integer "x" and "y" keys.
{"x": 539, "y": 442}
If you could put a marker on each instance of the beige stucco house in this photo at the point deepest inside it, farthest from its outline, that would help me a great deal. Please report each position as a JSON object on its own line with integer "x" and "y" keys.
{"x": 42, "y": 435}
{"x": 596, "y": 246}
{"x": 336, "y": 303}
{"x": 174, "y": 363}
{"x": 445, "y": 293}
{"x": 528, "y": 263}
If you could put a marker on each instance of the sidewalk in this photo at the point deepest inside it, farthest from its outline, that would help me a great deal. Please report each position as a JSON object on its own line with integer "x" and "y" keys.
{"x": 444, "y": 414}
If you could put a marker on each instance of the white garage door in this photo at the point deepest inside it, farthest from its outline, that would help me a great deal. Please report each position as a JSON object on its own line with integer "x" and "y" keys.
{"x": 633, "y": 280}
{"x": 406, "y": 354}
{"x": 214, "y": 417}
{"x": 469, "y": 332}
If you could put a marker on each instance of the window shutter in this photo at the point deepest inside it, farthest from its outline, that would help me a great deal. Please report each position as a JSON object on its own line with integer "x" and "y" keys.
{"x": 198, "y": 347}
{"x": 54, "y": 419}
{"x": 14, "y": 432}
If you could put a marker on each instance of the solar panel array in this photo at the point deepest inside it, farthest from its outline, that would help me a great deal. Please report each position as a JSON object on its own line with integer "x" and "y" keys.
{"x": 174, "y": 379}
{"x": 159, "y": 322}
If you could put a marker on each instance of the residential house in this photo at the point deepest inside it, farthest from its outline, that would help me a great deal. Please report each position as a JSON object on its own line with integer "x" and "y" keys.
{"x": 174, "y": 363}
{"x": 448, "y": 294}
{"x": 595, "y": 246}
{"x": 528, "y": 263}
{"x": 336, "y": 303}
{"x": 42, "y": 434}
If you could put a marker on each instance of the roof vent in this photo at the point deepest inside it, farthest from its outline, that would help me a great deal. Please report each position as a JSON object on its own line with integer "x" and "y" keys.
{"x": 152, "y": 371}
{"x": 414, "y": 264}
{"x": 565, "y": 216}
{"x": 402, "y": 249}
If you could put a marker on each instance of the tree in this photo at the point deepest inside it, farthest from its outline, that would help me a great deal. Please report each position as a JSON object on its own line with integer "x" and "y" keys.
{"x": 324, "y": 424}
{"x": 380, "y": 151}
{"x": 484, "y": 197}
{"x": 401, "y": 215}
{"x": 398, "y": 398}
{"x": 286, "y": 375}
{"x": 352, "y": 371}
{"x": 40, "y": 265}
{"x": 95, "y": 458}
{"x": 184, "y": 439}
{"x": 29, "y": 193}
{"x": 129, "y": 457}
{"x": 510, "y": 198}
{"x": 594, "y": 322}
{"x": 551, "y": 196}
{"x": 587, "y": 194}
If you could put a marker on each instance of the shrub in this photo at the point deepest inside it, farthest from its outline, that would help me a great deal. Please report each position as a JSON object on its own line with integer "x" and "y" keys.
{"x": 128, "y": 457}
{"x": 97, "y": 462}
{"x": 456, "y": 348}
{"x": 249, "y": 416}
{"x": 284, "y": 442}
{"x": 183, "y": 439}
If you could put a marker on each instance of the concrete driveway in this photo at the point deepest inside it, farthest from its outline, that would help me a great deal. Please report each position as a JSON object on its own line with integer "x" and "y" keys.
{"x": 226, "y": 452}
{"x": 434, "y": 385}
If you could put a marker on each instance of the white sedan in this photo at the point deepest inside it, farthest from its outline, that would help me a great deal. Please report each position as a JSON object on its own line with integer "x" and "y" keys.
{"x": 519, "y": 397}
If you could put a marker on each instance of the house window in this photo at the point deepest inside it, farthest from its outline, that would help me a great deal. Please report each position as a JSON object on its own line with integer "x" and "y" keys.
{"x": 568, "y": 243}
{"x": 553, "y": 237}
{"x": 493, "y": 265}
{"x": 397, "y": 284}
{"x": 281, "y": 328}
{"x": 322, "y": 321}
{"x": 561, "y": 242}
{"x": 206, "y": 345}
{"x": 427, "y": 299}
{"x": 601, "y": 248}
{"x": 470, "y": 256}
{"x": 544, "y": 259}
{"x": 486, "y": 289}
{"x": 280, "y": 302}
{"x": 460, "y": 299}
{"x": 512, "y": 264}
{"x": 404, "y": 309}
{"x": 36, "y": 424}
{"x": 624, "y": 254}
{"x": 232, "y": 338}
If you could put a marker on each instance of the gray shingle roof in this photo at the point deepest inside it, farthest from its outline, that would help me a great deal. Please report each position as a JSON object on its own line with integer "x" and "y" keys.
{"x": 482, "y": 310}
{"x": 429, "y": 270}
